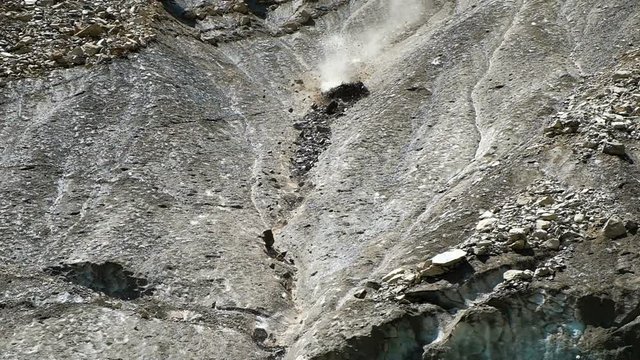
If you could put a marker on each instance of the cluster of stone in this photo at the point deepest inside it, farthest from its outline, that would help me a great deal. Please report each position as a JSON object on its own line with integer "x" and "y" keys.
{"x": 39, "y": 35}
{"x": 227, "y": 21}
{"x": 607, "y": 117}
{"x": 545, "y": 219}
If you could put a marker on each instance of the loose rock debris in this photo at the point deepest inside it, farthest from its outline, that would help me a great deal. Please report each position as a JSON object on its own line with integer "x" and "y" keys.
{"x": 315, "y": 127}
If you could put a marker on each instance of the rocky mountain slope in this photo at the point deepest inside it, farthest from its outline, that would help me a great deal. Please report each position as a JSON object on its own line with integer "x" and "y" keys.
{"x": 188, "y": 180}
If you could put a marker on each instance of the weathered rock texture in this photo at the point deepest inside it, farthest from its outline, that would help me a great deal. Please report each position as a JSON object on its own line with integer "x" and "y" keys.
{"x": 151, "y": 207}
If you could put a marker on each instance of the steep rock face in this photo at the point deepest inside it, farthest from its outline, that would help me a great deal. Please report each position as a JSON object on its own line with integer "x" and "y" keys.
{"x": 176, "y": 166}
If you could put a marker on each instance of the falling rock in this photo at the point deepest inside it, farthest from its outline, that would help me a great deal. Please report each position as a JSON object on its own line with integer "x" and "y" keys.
{"x": 614, "y": 228}
{"x": 486, "y": 225}
{"x": 449, "y": 258}
{"x": 614, "y": 148}
{"x": 260, "y": 335}
{"x": 579, "y": 218}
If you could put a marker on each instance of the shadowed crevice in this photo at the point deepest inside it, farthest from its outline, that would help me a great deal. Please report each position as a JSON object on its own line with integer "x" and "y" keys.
{"x": 109, "y": 278}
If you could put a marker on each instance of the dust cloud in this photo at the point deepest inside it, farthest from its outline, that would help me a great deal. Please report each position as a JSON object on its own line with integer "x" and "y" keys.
{"x": 377, "y": 24}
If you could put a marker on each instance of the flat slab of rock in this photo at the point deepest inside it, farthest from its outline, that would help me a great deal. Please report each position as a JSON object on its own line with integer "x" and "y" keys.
{"x": 449, "y": 258}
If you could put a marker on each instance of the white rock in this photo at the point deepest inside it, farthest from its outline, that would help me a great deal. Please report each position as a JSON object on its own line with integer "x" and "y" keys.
{"x": 579, "y": 218}
{"x": 449, "y": 258}
{"x": 394, "y": 279}
{"x": 486, "y": 225}
{"x": 409, "y": 277}
{"x": 543, "y": 224}
{"x": 487, "y": 214}
{"x": 511, "y": 275}
{"x": 398, "y": 271}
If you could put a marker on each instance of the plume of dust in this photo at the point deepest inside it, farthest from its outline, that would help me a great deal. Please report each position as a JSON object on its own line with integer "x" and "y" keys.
{"x": 346, "y": 54}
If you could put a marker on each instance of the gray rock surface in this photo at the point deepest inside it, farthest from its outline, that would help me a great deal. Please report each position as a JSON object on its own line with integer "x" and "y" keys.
{"x": 614, "y": 228}
{"x": 151, "y": 208}
{"x": 449, "y": 258}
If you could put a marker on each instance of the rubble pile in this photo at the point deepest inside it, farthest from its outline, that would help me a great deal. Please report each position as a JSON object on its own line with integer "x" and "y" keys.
{"x": 315, "y": 126}
{"x": 607, "y": 116}
{"x": 542, "y": 222}
{"x": 39, "y": 35}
